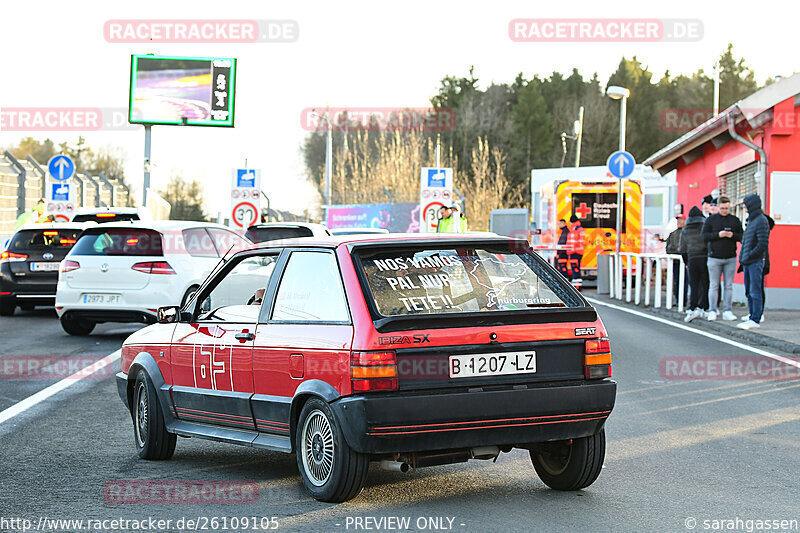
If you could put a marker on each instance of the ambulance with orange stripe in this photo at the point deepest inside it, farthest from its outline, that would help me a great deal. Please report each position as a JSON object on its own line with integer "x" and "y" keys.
{"x": 589, "y": 193}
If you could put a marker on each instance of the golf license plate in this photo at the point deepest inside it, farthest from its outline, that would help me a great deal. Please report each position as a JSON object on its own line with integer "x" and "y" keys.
{"x": 44, "y": 267}
{"x": 101, "y": 298}
{"x": 492, "y": 364}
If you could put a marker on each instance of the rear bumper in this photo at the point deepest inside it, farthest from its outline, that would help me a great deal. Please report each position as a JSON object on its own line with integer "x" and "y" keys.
{"x": 110, "y": 315}
{"x": 35, "y": 292}
{"x": 396, "y": 423}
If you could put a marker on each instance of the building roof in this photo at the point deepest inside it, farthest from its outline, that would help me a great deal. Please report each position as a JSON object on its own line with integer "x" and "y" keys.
{"x": 755, "y": 109}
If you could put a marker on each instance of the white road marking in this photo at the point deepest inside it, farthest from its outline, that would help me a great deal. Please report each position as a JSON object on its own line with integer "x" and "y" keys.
{"x": 55, "y": 388}
{"x": 759, "y": 351}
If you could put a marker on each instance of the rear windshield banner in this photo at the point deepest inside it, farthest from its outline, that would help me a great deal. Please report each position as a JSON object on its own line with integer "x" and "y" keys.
{"x": 454, "y": 281}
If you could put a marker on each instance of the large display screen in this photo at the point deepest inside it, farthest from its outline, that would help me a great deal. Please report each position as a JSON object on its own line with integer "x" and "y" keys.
{"x": 193, "y": 91}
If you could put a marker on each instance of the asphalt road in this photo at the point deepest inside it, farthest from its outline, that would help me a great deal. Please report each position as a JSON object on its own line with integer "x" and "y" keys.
{"x": 680, "y": 453}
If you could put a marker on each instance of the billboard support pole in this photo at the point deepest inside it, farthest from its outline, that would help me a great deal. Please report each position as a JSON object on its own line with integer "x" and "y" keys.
{"x": 146, "y": 163}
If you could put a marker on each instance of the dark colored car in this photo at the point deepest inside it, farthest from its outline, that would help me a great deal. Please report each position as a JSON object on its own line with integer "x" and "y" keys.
{"x": 29, "y": 266}
{"x": 99, "y": 215}
{"x": 404, "y": 349}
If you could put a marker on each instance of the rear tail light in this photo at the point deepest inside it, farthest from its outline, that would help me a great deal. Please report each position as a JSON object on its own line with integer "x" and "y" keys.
{"x": 67, "y": 242}
{"x": 11, "y": 257}
{"x": 373, "y": 371}
{"x": 68, "y": 266}
{"x": 153, "y": 267}
{"x": 106, "y": 215}
{"x": 50, "y": 233}
{"x": 597, "y": 358}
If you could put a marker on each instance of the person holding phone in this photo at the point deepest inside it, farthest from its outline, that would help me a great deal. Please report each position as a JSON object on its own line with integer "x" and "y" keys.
{"x": 721, "y": 232}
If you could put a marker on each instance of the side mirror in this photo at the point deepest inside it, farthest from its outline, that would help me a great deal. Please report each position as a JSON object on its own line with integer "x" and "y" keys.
{"x": 169, "y": 314}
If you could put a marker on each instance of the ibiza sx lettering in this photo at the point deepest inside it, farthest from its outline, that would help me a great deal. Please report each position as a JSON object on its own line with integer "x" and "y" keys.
{"x": 404, "y": 339}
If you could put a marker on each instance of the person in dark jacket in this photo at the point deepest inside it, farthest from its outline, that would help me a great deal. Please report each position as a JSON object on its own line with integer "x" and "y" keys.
{"x": 673, "y": 247}
{"x": 562, "y": 256}
{"x": 693, "y": 248}
{"x": 721, "y": 232}
{"x": 763, "y": 277}
{"x": 755, "y": 245}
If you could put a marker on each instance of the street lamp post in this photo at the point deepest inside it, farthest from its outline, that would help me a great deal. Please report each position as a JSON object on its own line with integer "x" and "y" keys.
{"x": 620, "y": 93}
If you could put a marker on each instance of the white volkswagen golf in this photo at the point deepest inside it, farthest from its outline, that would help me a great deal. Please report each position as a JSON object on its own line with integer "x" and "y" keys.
{"x": 123, "y": 272}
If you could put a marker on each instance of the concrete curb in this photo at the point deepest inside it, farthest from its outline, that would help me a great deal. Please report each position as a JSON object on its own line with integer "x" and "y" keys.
{"x": 748, "y": 336}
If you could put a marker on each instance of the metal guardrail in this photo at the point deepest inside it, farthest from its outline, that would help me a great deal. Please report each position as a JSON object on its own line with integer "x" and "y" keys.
{"x": 631, "y": 266}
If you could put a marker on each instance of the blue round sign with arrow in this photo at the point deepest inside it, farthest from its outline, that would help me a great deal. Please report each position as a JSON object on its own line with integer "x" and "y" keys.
{"x": 61, "y": 167}
{"x": 620, "y": 164}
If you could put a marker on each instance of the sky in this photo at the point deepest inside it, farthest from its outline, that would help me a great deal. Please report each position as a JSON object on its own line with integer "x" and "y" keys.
{"x": 348, "y": 54}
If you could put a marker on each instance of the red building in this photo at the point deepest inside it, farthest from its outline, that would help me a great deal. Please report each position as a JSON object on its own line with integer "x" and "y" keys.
{"x": 751, "y": 147}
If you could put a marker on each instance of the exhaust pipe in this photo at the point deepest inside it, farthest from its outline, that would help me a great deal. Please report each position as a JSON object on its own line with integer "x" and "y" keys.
{"x": 395, "y": 466}
{"x": 485, "y": 452}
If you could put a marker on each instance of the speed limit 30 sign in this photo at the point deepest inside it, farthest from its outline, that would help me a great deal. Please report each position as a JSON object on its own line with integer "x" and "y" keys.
{"x": 245, "y": 197}
{"x": 244, "y": 214}
{"x": 435, "y": 191}
{"x": 431, "y": 216}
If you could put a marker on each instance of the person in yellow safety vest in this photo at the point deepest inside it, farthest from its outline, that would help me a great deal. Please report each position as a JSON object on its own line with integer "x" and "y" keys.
{"x": 576, "y": 242}
{"x": 36, "y": 214}
{"x": 451, "y": 221}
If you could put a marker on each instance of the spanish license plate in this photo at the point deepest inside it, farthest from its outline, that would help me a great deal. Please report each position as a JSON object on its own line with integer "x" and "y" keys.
{"x": 101, "y": 298}
{"x": 495, "y": 364}
{"x": 44, "y": 267}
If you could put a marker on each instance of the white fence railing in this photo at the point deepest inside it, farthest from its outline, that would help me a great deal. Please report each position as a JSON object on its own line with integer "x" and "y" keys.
{"x": 631, "y": 266}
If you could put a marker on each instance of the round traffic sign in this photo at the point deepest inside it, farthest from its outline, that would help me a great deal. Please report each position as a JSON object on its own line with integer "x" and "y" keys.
{"x": 61, "y": 167}
{"x": 244, "y": 214}
{"x": 62, "y": 217}
{"x": 431, "y": 215}
{"x": 620, "y": 164}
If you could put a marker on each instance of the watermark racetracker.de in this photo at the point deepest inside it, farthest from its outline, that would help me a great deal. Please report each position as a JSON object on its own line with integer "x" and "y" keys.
{"x": 604, "y": 30}
{"x": 53, "y": 367}
{"x": 724, "y": 368}
{"x": 139, "y": 492}
{"x": 684, "y": 119}
{"x": 81, "y": 119}
{"x": 378, "y": 119}
{"x": 200, "y": 31}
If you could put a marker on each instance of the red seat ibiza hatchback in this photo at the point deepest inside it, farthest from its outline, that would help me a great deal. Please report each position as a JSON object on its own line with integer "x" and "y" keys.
{"x": 410, "y": 350}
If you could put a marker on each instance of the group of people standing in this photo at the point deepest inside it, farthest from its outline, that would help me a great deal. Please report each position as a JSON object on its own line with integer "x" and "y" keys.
{"x": 708, "y": 242}
{"x": 571, "y": 239}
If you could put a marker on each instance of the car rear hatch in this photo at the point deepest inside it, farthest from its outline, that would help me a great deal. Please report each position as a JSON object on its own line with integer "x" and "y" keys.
{"x": 474, "y": 315}
{"x": 106, "y": 258}
{"x": 34, "y": 255}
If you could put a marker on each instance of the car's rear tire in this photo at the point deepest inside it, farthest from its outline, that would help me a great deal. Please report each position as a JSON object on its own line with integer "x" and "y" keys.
{"x": 150, "y": 434}
{"x": 77, "y": 327}
{"x": 7, "y": 307}
{"x": 574, "y": 465}
{"x": 331, "y": 470}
